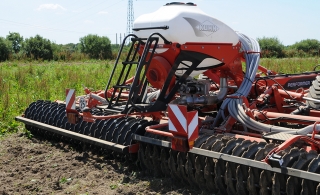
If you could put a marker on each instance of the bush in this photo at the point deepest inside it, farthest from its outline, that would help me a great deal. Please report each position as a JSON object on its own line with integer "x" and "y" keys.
{"x": 5, "y": 48}
{"x": 309, "y": 46}
{"x": 271, "y": 47}
{"x": 16, "y": 41}
{"x": 38, "y": 48}
{"x": 96, "y": 47}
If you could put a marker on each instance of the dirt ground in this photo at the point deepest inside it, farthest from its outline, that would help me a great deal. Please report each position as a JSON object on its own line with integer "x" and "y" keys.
{"x": 38, "y": 166}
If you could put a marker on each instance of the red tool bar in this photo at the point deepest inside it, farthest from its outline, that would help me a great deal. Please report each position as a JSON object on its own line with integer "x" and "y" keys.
{"x": 152, "y": 129}
{"x": 277, "y": 115}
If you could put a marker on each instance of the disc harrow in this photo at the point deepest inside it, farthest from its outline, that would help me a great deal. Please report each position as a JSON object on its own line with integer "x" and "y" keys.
{"x": 196, "y": 109}
{"x": 222, "y": 177}
{"x": 113, "y": 130}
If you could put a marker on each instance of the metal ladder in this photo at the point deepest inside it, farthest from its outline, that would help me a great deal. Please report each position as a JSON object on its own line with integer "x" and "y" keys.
{"x": 138, "y": 88}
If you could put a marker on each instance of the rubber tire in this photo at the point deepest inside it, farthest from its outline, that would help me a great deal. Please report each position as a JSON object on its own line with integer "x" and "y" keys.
{"x": 314, "y": 92}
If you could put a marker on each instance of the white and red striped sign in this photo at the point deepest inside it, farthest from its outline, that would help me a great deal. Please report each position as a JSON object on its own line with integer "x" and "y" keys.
{"x": 70, "y": 99}
{"x": 177, "y": 119}
{"x": 193, "y": 122}
{"x": 182, "y": 122}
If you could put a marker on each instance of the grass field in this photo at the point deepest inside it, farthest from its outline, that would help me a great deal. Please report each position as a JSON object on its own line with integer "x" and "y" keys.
{"x": 290, "y": 65}
{"x": 24, "y": 82}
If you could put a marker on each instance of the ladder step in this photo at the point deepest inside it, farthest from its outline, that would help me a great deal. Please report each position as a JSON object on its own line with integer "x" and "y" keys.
{"x": 121, "y": 86}
{"x": 126, "y": 63}
{"x": 139, "y": 39}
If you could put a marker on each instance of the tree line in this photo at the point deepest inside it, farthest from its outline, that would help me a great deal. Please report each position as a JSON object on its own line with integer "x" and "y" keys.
{"x": 15, "y": 47}
{"x": 273, "y": 48}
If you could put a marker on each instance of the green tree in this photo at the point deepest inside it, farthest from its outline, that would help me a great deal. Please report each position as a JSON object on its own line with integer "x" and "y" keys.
{"x": 271, "y": 47}
{"x": 4, "y": 49}
{"x": 38, "y": 48}
{"x": 70, "y": 47}
{"x": 16, "y": 41}
{"x": 96, "y": 47}
{"x": 311, "y": 46}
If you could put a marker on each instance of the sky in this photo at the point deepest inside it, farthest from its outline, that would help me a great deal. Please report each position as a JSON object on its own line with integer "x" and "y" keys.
{"x": 66, "y": 21}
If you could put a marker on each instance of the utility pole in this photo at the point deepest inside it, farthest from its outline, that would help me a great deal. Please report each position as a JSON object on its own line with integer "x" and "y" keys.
{"x": 130, "y": 17}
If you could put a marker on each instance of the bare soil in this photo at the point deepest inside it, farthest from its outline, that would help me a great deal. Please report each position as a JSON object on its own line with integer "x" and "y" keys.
{"x": 39, "y": 166}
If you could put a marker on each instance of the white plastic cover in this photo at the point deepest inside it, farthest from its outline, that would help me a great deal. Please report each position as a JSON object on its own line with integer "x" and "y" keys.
{"x": 187, "y": 23}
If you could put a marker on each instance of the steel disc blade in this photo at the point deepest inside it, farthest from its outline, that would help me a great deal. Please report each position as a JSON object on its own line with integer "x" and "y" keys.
{"x": 173, "y": 165}
{"x": 112, "y": 128}
{"x": 181, "y": 161}
{"x": 128, "y": 135}
{"x": 94, "y": 127}
{"x": 140, "y": 130}
{"x": 148, "y": 158}
{"x": 156, "y": 161}
{"x": 230, "y": 174}
{"x": 254, "y": 173}
{"x": 220, "y": 166}
{"x": 141, "y": 157}
{"x": 294, "y": 183}
{"x": 164, "y": 156}
{"x": 310, "y": 187}
{"x": 242, "y": 171}
{"x": 105, "y": 128}
{"x": 279, "y": 180}
{"x": 200, "y": 164}
{"x": 118, "y": 131}
{"x": 97, "y": 132}
{"x": 124, "y": 132}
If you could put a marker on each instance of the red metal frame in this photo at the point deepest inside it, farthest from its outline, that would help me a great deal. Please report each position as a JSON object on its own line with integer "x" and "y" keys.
{"x": 315, "y": 145}
{"x": 153, "y": 129}
{"x": 263, "y": 91}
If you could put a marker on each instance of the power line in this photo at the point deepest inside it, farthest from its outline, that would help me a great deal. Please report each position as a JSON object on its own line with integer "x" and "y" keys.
{"x": 80, "y": 20}
{"x": 39, "y": 26}
{"x": 85, "y": 10}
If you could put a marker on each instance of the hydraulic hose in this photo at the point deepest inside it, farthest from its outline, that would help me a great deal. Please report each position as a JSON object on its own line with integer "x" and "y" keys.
{"x": 252, "y": 56}
{"x": 251, "y": 49}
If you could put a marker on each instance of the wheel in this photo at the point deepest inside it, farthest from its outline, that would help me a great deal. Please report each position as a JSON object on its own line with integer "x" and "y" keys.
{"x": 314, "y": 92}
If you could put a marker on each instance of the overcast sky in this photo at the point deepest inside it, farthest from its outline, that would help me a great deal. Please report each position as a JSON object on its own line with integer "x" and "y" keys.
{"x": 65, "y": 21}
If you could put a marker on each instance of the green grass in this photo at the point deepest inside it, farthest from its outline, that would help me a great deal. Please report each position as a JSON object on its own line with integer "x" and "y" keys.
{"x": 24, "y": 82}
{"x": 290, "y": 65}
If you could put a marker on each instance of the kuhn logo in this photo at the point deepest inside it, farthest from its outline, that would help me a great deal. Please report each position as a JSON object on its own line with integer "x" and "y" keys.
{"x": 205, "y": 28}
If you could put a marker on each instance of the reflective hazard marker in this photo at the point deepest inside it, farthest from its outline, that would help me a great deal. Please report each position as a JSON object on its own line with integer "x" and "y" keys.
{"x": 70, "y": 99}
{"x": 183, "y": 123}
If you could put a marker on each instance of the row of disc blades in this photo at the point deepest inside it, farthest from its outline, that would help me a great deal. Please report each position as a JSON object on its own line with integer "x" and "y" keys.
{"x": 208, "y": 174}
{"x": 221, "y": 177}
{"x": 117, "y": 130}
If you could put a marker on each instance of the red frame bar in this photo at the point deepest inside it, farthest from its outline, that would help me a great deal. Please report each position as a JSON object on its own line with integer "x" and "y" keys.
{"x": 152, "y": 129}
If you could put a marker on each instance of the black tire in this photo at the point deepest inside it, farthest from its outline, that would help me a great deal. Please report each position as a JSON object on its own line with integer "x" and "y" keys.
{"x": 314, "y": 92}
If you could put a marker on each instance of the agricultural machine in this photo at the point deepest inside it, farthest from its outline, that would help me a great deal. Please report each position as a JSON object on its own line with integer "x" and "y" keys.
{"x": 190, "y": 101}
